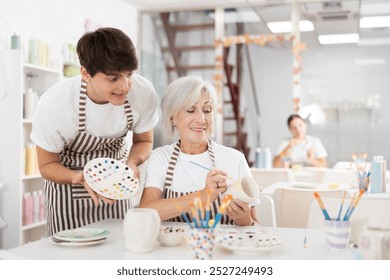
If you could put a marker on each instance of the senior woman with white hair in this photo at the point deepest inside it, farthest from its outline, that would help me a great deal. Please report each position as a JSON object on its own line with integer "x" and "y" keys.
{"x": 172, "y": 180}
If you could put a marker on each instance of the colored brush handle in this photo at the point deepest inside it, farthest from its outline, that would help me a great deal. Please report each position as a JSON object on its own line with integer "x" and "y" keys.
{"x": 217, "y": 219}
{"x": 207, "y": 217}
{"x": 325, "y": 214}
{"x": 186, "y": 219}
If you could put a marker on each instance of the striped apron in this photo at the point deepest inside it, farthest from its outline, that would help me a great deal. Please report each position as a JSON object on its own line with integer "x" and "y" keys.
{"x": 169, "y": 193}
{"x": 69, "y": 206}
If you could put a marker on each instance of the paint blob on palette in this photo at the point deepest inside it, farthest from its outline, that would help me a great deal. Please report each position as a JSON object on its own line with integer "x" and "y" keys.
{"x": 111, "y": 178}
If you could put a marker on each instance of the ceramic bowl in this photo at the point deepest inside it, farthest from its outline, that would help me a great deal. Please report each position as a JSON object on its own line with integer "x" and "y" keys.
{"x": 172, "y": 234}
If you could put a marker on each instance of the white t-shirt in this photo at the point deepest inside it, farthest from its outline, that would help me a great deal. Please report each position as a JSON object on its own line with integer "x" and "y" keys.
{"x": 189, "y": 177}
{"x": 311, "y": 143}
{"x": 56, "y": 118}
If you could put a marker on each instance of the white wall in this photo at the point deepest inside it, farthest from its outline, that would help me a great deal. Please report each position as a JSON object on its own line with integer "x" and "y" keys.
{"x": 273, "y": 77}
{"x": 63, "y": 21}
{"x": 330, "y": 78}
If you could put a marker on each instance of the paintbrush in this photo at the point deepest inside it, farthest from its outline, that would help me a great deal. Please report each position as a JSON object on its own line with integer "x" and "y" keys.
{"x": 204, "y": 167}
{"x": 207, "y": 207}
{"x": 355, "y": 203}
{"x": 349, "y": 207}
{"x": 341, "y": 206}
{"x": 317, "y": 196}
{"x": 182, "y": 213}
{"x": 194, "y": 215}
{"x": 222, "y": 209}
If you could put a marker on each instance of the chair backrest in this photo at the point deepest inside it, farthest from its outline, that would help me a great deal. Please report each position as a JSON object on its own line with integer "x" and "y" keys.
{"x": 266, "y": 177}
{"x": 295, "y": 204}
{"x": 342, "y": 165}
{"x": 265, "y": 211}
{"x": 316, "y": 173}
{"x": 376, "y": 210}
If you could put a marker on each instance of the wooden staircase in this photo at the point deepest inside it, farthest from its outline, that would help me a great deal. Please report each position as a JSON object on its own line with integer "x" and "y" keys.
{"x": 233, "y": 83}
{"x": 234, "y": 135}
{"x": 176, "y": 52}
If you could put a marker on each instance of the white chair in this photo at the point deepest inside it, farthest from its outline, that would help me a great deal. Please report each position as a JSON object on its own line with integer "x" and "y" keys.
{"x": 339, "y": 176}
{"x": 265, "y": 211}
{"x": 316, "y": 173}
{"x": 293, "y": 204}
{"x": 376, "y": 210}
{"x": 266, "y": 177}
{"x": 342, "y": 165}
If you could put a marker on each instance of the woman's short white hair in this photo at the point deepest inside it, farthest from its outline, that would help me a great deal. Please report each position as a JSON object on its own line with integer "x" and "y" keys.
{"x": 181, "y": 94}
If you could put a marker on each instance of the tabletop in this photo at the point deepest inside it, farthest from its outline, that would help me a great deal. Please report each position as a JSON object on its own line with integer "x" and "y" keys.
{"x": 114, "y": 248}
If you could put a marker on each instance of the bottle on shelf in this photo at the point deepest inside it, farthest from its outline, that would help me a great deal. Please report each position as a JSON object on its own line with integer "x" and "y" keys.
{"x": 258, "y": 157}
{"x": 263, "y": 158}
{"x": 28, "y": 209}
{"x": 267, "y": 158}
{"x": 31, "y": 163}
{"x": 15, "y": 42}
{"x": 32, "y": 51}
{"x": 30, "y": 101}
{"x": 378, "y": 175}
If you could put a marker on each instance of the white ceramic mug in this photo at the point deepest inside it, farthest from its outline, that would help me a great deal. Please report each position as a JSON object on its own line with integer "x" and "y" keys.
{"x": 245, "y": 189}
{"x": 141, "y": 227}
{"x": 358, "y": 226}
{"x": 375, "y": 244}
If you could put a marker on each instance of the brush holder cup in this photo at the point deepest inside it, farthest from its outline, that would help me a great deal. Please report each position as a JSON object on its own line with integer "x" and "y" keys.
{"x": 201, "y": 242}
{"x": 337, "y": 234}
{"x": 363, "y": 183}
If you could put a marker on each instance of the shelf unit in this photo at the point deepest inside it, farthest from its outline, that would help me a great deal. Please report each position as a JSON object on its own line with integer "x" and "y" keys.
{"x": 15, "y": 131}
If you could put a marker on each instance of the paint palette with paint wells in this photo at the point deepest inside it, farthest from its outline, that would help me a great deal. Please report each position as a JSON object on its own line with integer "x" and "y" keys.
{"x": 111, "y": 178}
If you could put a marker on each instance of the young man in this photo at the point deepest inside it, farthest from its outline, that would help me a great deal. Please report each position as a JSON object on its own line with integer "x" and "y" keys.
{"x": 89, "y": 116}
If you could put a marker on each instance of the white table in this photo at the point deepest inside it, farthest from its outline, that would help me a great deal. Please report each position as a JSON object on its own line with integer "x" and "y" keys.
{"x": 114, "y": 248}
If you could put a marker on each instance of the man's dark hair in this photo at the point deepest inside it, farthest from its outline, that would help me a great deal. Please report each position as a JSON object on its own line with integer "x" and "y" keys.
{"x": 107, "y": 50}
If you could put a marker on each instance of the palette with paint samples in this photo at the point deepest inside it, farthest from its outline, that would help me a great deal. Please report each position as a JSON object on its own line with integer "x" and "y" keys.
{"x": 111, "y": 178}
{"x": 250, "y": 242}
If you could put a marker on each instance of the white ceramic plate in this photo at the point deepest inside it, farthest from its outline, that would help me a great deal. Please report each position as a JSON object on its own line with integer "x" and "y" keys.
{"x": 111, "y": 178}
{"x": 81, "y": 234}
{"x": 248, "y": 243}
{"x": 76, "y": 243}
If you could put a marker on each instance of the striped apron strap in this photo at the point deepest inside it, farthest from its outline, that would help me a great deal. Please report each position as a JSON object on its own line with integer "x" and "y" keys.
{"x": 169, "y": 193}
{"x": 172, "y": 165}
{"x": 129, "y": 116}
{"x": 82, "y": 102}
